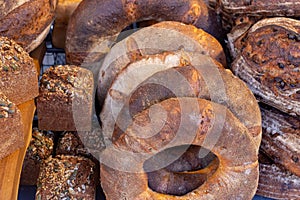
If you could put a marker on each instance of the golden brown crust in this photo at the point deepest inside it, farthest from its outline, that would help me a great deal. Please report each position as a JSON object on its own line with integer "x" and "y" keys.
{"x": 26, "y": 23}
{"x": 236, "y": 177}
{"x": 97, "y": 24}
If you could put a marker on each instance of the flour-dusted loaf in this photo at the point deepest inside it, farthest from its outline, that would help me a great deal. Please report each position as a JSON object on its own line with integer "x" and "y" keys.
{"x": 65, "y": 102}
{"x": 26, "y": 21}
{"x": 11, "y": 127}
{"x": 275, "y": 181}
{"x": 281, "y": 138}
{"x": 267, "y": 59}
{"x": 161, "y": 37}
{"x": 39, "y": 149}
{"x": 66, "y": 177}
{"x": 18, "y": 73}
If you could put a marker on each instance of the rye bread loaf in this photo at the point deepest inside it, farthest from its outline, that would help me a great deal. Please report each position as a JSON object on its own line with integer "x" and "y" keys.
{"x": 18, "y": 73}
{"x": 267, "y": 59}
{"x": 95, "y": 25}
{"x": 11, "y": 127}
{"x": 235, "y": 178}
{"x": 164, "y": 36}
{"x": 26, "y": 21}
{"x": 180, "y": 74}
{"x": 65, "y": 102}
{"x": 281, "y": 138}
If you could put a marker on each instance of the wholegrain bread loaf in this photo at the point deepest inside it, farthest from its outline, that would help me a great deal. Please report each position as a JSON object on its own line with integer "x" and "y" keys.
{"x": 11, "y": 127}
{"x": 19, "y": 76}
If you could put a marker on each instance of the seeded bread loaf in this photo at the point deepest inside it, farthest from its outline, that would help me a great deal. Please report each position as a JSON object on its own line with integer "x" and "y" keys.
{"x": 65, "y": 101}
{"x": 11, "y": 127}
{"x": 26, "y": 21}
{"x": 39, "y": 149}
{"x": 18, "y": 73}
{"x": 69, "y": 143}
{"x": 66, "y": 177}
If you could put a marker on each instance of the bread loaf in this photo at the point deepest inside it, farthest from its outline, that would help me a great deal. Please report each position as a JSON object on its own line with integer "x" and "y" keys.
{"x": 19, "y": 77}
{"x": 161, "y": 37}
{"x": 95, "y": 25}
{"x": 11, "y": 127}
{"x": 267, "y": 59}
{"x": 26, "y": 22}
{"x": 66, "y": 99}
{"x": 235, "y": 178}
{"x": 169, "y": 75}
{"x": 281, "y": 138}
{"x": 39, "y": 149}
{"x": 66, "y": 177}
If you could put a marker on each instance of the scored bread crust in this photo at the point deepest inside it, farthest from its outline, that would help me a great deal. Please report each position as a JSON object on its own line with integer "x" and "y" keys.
{"x": 164, "y": 36}
{"x": 267, "y": 59}
{"x": 98, "y": 23}
{"x": 155, "y": 78}
{"x": 281, "y": 138}
{"x": 236, "y": 176}
{"x": 27, "y": 22}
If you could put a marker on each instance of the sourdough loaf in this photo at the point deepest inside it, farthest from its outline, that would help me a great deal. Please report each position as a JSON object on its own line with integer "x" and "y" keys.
{"x": 164, "y": 36}
{"x": 19, "y": 77}
{"x": 26, "y": 21}
{"x": 11, "y": 127}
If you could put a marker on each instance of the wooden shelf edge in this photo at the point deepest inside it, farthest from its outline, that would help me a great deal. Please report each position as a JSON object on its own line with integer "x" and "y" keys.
{"x": 11, "y": 166}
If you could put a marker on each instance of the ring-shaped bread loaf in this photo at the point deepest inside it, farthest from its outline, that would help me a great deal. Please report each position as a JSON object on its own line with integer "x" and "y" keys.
{"x": 163, "y": 36}
{"x": 95, "y": 25}
{"x": 236, "y": 176}
{"x": 176, "y": 74}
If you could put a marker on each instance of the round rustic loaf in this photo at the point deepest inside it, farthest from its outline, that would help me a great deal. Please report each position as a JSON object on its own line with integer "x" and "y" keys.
{"x": 26, "y": 21}
{"x": 95, "y": 25}
{"x": 163, "y": 36}
{"x": 236, "y": 177}
{"x": 267, "y": 58}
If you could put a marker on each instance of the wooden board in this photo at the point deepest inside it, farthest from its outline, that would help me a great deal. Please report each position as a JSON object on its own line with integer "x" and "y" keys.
{"x": 11, "y": 166}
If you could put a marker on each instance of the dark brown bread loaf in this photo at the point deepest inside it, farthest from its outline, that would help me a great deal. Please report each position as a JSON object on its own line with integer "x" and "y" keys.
{"x": 11, "y": 127}
{"x": 267, "y": 59}
{"x": 281, "y": 138}
{"x": 235, "y": 178}
{"x": 276, "y": 182}
{"x": 39, "y": 149}
{"x": 69, "y": 143}
{"x": 180, "y": 74}
{"x": 27, "y": 22}
{"x": 66, "y": 99}
{"x": 161, "y": 37}
{"x": 95, "y": 25}
{"x": 18, "y": 73}
{"x": 66, "y": 177}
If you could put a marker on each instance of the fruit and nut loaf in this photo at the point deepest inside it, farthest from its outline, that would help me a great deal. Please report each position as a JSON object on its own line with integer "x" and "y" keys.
{"x": 19, "y": 77}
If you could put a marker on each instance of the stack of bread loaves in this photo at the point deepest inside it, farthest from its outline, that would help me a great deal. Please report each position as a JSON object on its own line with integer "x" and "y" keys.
{"x": 267, "y": 57}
